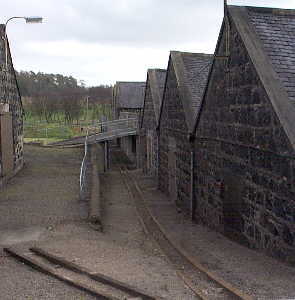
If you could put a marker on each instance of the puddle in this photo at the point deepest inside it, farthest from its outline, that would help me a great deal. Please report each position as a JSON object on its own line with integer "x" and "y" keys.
{"x": 11, "y": 237}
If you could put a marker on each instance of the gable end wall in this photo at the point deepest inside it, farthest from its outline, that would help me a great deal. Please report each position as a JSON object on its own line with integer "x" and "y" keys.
{"x": 173, "y": 124}
{"x": 239, "y": 136}
{"x": 149, "y": 127}
{"x": 9, "y": 94}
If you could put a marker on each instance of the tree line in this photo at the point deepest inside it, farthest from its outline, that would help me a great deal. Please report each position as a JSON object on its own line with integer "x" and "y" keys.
{"x": 55, "y": 97}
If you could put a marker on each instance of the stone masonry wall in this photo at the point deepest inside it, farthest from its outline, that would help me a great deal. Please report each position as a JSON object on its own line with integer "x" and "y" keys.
{"x": 9, "y": 93}
{"x": 173, "y": 124}
{"x": 244, "y": 163}
{"x": 149, "y": 125}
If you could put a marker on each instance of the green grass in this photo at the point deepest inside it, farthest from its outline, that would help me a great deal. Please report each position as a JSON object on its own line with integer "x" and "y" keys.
{"x": 36, "y": 130}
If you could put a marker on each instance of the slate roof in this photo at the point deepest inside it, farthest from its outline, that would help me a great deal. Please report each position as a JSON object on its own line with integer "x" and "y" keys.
{"x": 156, "y": 79}
{"x": 129, "y": 94}
{"x": 276, "y": 29}
{"x": 191, "y": 71}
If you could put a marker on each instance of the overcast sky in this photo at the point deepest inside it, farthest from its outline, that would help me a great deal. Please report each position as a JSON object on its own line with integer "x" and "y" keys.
{"x": 102, "y": 41}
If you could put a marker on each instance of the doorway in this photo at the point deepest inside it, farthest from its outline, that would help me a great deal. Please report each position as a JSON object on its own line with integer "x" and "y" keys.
{"x": 6, "y": 142}
{"x": 233, "y": 206}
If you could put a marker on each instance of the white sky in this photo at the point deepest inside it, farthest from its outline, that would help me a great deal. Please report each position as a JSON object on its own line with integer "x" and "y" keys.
{"x": 102, "y": 41}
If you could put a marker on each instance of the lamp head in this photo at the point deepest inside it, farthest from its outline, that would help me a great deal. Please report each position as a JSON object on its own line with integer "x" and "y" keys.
{"x": 33, "y": 19}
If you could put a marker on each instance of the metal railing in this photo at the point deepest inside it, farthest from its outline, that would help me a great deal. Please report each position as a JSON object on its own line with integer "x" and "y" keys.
{"x": 83, "y": 169}
{"x": 110, "y": 127}
{"x": 120, "y": 124}
{"x": 131, "y": 123}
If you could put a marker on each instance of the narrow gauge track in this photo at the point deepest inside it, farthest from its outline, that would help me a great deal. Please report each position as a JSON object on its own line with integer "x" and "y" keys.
{"x": 200, "y": 280}
{"x": 93, "y": 283}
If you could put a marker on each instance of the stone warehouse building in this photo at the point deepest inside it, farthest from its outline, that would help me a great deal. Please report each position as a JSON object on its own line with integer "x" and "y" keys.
{"x": 127, "y": 102}
{"x": 150, "y": 120}
{"x": 245, "y": 134}
{"x": 127, "y": 99}
{"x": 11, "y": 116}
{"x": 186, "y": 79}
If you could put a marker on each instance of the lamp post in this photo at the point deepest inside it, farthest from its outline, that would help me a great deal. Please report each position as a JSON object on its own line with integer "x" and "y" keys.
{"x": 29, "y": 20}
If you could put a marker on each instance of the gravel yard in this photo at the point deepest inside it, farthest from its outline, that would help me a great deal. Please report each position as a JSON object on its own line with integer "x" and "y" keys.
{"x": 35, "y": 206}
{"x": 40, "y": 207}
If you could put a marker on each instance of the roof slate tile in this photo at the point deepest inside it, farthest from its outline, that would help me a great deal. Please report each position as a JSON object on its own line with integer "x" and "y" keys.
{"x": 277, "y": 31}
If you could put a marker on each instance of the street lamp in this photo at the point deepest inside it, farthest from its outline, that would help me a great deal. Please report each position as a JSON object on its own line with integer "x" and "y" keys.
{"x": 29, "y": 20}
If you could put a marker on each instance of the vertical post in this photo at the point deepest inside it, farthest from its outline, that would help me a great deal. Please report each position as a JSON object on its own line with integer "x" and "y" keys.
{"x": 138, "y": 150}
{"x": 227, "y": 29}
{"x": 87, "y": 102}
{"x": 157, "y": 152}
{"x": 6, "y": 51}
{"x": 106, "y": 156}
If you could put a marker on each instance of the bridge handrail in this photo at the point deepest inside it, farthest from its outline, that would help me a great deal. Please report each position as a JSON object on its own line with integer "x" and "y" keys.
{"x": 127, "y": 121}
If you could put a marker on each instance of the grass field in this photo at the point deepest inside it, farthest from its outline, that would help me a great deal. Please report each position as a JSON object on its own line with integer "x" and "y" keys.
{"x": 49, "y": 132}
{"x": 36, "y": 130}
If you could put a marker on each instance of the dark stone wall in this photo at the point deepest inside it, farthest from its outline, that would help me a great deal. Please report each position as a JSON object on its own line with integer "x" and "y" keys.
{"x": 9, "y": 93}
{"x": 127, "y": 144}
{"x": 149, "y": 118}
{"x": 173, "y": 124}
{"x": 148, "y": 131}
{"x": 244, "y": 162}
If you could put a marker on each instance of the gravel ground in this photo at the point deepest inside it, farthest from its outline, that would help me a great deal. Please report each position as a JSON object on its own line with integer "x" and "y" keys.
{"x": 40, "y": 208}
{"x": 248, "y": 270}
{"x": 123, "y": 251}
{"x": 19, "y": 282}
{"x": 40, "y": 203}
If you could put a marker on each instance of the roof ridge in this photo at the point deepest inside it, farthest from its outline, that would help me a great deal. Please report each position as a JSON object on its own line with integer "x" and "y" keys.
{"x": 188, "y": 94}
{"x": 195, "y": 54}
{"x": 130, "y": 82}
{"x": 157, "y": 69}
{"x": 273, "y": 10}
